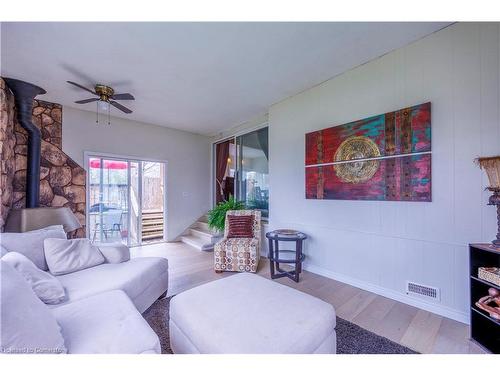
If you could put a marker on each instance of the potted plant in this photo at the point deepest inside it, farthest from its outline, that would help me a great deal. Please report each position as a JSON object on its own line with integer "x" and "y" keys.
{"x": 217, "y": 215}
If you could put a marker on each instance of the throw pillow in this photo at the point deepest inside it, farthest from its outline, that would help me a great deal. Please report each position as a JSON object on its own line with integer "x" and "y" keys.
{"x": 28, "y": 326}
{"x": 115, "y": 252}
{"x": 67, "y": 256}
{"x": 240, "y": 226}
{"x": 45, "y": 286}
{"x": 30, "y": 243}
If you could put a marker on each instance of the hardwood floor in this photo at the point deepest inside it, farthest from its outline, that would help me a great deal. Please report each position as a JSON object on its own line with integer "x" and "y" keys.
{"x": 417, "y": 329}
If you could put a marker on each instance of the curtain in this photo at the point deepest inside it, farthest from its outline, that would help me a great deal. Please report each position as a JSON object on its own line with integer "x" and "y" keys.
{"x": 221, "y": 155}
{"x": 262, "y": 136}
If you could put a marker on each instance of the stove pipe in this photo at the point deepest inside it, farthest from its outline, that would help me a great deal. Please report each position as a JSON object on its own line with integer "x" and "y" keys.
{"x": 24, "y": 93}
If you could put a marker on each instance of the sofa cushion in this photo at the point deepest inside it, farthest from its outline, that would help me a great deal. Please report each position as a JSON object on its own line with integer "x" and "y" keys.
{"x": 114, "y": 252}
{"x": 66, "y": 256}
{"x": 248, "y": 314}
{"x": 30, "y": 243}
{"x": 27, "y": 325}
{"x": 105, "y": 323}
{"x": 135, "y": 277}
{"x": 45, "y": 286}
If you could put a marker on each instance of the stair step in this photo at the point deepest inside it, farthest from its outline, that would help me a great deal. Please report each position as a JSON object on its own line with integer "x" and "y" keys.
{"x": 152, "y": 222}
{"x": 159, "y": 225}
{"x": 153, "y": 229}
{"x": 206, "y": 236}
{"x": 197, "y": 242}
{"x": 151, "y": 236}
{"x": 203, "y": 226}
{"x": 149, "y": 216}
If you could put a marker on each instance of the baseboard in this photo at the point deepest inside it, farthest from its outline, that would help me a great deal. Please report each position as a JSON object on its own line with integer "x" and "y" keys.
{"x": 392, "y": 294}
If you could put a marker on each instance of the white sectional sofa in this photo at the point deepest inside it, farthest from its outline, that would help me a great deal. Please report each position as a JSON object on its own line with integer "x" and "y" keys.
{"x": 104, "y": 323}
{"x": 143, "y": 280}
{"x": 103, "y": 306}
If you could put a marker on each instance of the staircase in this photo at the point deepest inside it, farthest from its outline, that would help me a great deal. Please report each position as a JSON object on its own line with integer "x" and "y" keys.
{"x": 152, "y": 225}
{"x": 200, "y": 236}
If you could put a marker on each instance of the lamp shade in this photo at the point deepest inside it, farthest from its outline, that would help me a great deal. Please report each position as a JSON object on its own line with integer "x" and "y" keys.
{"x": 491, "y": 166}
{"x": 26, "y": 219}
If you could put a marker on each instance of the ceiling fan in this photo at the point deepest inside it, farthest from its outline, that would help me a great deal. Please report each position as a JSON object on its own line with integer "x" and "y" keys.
{"x": 105, "y": 96}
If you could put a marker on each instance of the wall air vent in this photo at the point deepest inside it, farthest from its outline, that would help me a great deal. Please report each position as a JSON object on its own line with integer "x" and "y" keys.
{"x": 428, "y": 292}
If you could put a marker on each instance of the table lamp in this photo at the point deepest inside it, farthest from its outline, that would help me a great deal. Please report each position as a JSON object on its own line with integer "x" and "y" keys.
{"x": 491, "y": 165}
{"x": 26, "y": 219}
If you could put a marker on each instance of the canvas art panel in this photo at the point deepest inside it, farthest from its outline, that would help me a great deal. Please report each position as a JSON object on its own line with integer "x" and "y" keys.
{"x": 384, "y": 157}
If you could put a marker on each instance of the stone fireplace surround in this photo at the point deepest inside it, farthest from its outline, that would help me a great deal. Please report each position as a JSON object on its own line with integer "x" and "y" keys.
{"x": 62, "y": 181}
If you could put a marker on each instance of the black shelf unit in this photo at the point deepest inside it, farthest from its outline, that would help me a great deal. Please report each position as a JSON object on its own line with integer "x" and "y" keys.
{"x": 484, "y": 330}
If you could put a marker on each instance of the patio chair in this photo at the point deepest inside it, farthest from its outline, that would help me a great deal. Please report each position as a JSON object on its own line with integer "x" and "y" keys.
{"x": 239, "y": 254}
{"x": 111, "y": 222}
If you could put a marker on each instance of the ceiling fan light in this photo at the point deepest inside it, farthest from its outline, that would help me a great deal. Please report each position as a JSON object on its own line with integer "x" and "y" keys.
{"x": 103, "y": 106}
{"x": 104, "y": 95}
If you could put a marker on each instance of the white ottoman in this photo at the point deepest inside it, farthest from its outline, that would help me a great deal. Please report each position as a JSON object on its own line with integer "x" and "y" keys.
{"x": 249, "y": 314}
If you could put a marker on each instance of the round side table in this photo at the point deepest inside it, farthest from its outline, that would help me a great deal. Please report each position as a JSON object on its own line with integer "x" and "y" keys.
{"x": 277, "y": 256}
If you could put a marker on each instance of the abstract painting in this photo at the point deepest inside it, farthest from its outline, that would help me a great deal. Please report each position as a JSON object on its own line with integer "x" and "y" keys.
{"x": 384, "y": 157}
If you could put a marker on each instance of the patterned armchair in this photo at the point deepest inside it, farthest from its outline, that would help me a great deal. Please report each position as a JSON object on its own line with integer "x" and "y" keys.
{"x": 239, "y": 254}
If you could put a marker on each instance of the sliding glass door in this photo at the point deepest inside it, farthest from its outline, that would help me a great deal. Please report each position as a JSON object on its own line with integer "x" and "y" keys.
{"x": 153, "y": 193}
{"x": 252, "y": 176}
{"x": 135, "y": 203}
{"x": 126, "y": 200}
{"x": 242, "y": 169}
{"x": 108, "y": 200}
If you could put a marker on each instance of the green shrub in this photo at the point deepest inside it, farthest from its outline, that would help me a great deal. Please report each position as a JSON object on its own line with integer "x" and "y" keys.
{"x": 217, "y": 215}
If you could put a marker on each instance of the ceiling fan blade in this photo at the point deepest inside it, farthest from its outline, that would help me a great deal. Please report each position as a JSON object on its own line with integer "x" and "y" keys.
{"x": 120, "y": 107}
{"x": 82, "y": 87}
{"x": 87, "y": 100}
{"x": 125, "y": 96}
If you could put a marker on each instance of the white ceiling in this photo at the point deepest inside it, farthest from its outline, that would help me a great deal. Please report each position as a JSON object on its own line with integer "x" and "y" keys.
{"x": 199, "y": 77}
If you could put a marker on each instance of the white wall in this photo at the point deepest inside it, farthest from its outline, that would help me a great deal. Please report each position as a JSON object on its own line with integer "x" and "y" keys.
{"x": 187, "y": 156}
{"x": 245, "y": 127}
{"x": 379, "y": 245}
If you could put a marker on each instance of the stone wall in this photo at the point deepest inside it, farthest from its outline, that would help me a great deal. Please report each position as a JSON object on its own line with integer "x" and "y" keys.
{"x": 7, "y": 145}
{"x": 62, "y": 181}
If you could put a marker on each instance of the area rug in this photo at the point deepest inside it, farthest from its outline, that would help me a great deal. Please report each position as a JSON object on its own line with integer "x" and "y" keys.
{"x": 351, "y": 338}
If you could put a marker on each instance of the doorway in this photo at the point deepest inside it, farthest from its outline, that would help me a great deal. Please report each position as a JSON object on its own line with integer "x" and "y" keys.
{"x": 125, "y": 200}
{"x": 241, "y": 169}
